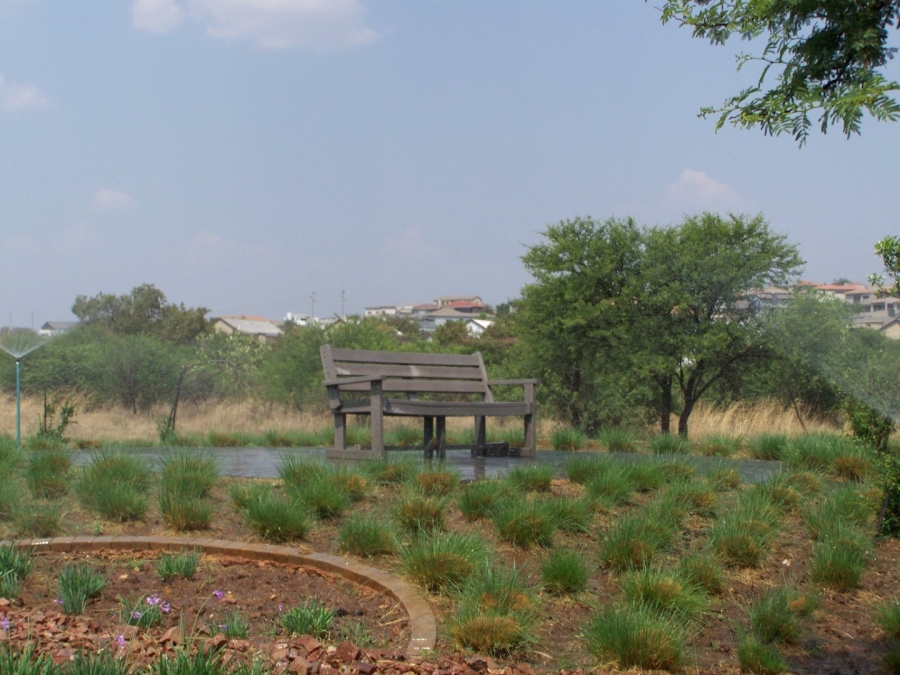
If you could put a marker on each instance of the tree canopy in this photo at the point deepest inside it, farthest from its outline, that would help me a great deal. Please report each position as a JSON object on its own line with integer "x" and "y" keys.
{"x": 824, "y": 55}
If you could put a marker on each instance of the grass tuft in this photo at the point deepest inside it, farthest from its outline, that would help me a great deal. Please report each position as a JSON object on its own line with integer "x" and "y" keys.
{"x": 443, "y": 562}
{"x": 366, "y": 536}
{"x": 77, "y": 584}
{"x": 758, "y": 657}
{"x": 312, "y": 618}
{"x": 839, "y": 558}
{"x": 417, "y": 513}
{"x": 664, "y": 592}
{"x": 637, "y": 637}
{"x": 276, "y": 517}
{"x": 525, "y": 523}
{"x": 534, "y": 478}
{"x": 568, "y": 438}
{"x": 171, "y": 565}
{"x": 564, "y": 572}
{"x": 47, "y": 473}
{"x": 669, "y": 444}
{"x": 478, "y": 499}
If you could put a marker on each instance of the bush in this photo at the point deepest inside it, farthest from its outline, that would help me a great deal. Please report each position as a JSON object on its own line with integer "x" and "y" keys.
{"x": 366, "y": 536}
{"x": 524, "y": 523}
{"x": 564, "y": 572}
{"x": 636, "y": 637}
{"x": 569, "y": 438}
{"x": 443, "y": 562}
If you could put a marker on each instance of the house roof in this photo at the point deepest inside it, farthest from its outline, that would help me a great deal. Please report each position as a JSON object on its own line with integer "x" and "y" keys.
{"x": 59, "y": 325}
{"x": 251, "y": 325}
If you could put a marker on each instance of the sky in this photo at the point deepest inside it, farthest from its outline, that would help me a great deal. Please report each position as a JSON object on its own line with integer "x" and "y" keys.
{"x": 243, "y": 155}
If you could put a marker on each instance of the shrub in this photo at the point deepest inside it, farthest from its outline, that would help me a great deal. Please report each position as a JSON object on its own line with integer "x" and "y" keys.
{"x": 115, "y": 486}
{"x": 775, "y": 617}
{"x": 443, "y": 562}
{"x": 663, "y": 592}
{"x": 703, "y": 571}
{"x": 568, "y": 438}
{"x": 719, "y": 445}
{"x": 38, "y": 520}
{"x": 365, "y": 535}
{"x": 47, "y": 473}
{"x": 669, "y": 444}
{"x": 564, "y": 571}
{"x": 758, "y": 657}
{"x": 437, "y": 483}
{"x": 79, "y": 583}
{"x": 479, "y": 498}
{"x": 533, "y": 478}
{"x": 617, "y": 440}
{"x": 524, "y": 523}
{"x": 418, "y": 513}
{"x": 839, "y": 558}
{"x": 634, "y": 540}
{"x": 276, "y": 517}
{"x": 768, "y": 446}
{"x": 184, "y": 565}
{"x": 636, "y": 637}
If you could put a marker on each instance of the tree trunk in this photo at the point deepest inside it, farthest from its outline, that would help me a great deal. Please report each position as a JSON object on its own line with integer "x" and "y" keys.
{"x": 684, "y": 416}
{"x": 665, "y": 403}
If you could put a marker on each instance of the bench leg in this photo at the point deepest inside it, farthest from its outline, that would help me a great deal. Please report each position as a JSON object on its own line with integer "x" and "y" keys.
{"x": 377, "y": 422}
{"x": 530, "y": 437}
{"x": 480, "y": 431}
{"x": 427, "y": 430}
{"x": 340, "y": 432}
{"x": 442, "y": 437}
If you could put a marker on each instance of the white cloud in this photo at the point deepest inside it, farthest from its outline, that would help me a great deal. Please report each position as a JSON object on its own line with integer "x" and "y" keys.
{"x": 109, "y": 199}
{"x": 156, "y": 16}
{"x": 208, "y": 245}
{"x": 410, "y": 242}
{"x": 15, "y": 96}
{"x": 696, "y": 191}
{"x": 269, "y": 24}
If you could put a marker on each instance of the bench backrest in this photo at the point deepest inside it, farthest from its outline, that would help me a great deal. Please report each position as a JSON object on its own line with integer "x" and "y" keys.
{"x": 408, "y": 372}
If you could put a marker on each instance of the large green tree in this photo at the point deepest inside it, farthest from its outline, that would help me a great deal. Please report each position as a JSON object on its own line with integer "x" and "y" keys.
{"x": 617, "y": 311}
{"x": 825, "y": 56}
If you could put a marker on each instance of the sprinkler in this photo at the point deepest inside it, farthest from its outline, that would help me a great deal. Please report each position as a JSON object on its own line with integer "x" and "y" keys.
{"x": 17, "y": 342}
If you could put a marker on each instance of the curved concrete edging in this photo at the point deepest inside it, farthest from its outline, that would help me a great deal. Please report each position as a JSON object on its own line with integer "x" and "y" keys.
{"x": 422, "y": 624}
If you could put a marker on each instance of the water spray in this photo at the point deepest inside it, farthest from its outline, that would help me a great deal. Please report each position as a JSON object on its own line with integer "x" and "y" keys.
{"x": 17, "y": 343}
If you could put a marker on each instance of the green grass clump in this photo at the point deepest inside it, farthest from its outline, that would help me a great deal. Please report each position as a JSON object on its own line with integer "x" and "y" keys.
{"x": 637, "y": 637}
{"x": 311, "y": 618}
{"x": 184, "y": 513}
{"x": 611, "y": 488}
{"x": 669, "y": 444}
{"x": 96, "y": 663}
{"x": 758, "y": 657}
{"x": 582, "y": 469}
{"x": 226, "y": 439}
{"x": 200, "y": 662}
{"x": 25, "y": 661}
{"x": 296, "y": 472}
{"x": 839, "y": 558}
{"x": 443, "y": 562}
{"x": 569, "y": 515}
{"x": 534, "y": 478}
{"x": 719, "y": 445}
{"x": 634, "y": 540}
{"x": 15, "y": 564}
{"x": 768, "y": 446}
{"x": 776, "y": 616}
{"x": 416, "y": 513}
{"x": 77, "y": 584}
{"x": 691, "y": 498}
{"x": 11, "y": 496}
{"x": 568, "y": 438}
{"x": 564, "y": 571}
{"x": 888, "y": 618}
{"x": 38, "y": 519}
{"x": 144, "y": 611}
{"x": 47, "y": 473}
{"x": 845, "y": 505}
{"x": 233, "y": 625}
{"x": 479, "y": 498}
{"x": 276, "y": 517}
{"x": 648, "y": 475}
{"x": 806, "y": 483}
{"x": 778, "y": 491}
{"x": 436, "y": 483}
{"x": 273, "y": 438}
{"x": 702, "y": 570}
{"x": 723, "y": 479}
{"x": 525, "y": 523}
{"x": 243, "y": 492}
{"x": 664, "y": 592}
{"x": 171, "y": 565}
{"x": 406, "y": 436}
{"x": 617, "y": 440}
{"x": 189, "y": 473}
{"x": 366, "y": 536}
{"x": 115, "y": 485}
{"x": 320, "y": 496}
{"x": 741, "y": 537}
{"x": 389, "y": 472}
{"x": 818, "y": 452}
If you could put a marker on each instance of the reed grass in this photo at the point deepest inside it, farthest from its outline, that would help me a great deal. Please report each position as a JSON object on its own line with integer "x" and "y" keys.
{"x": 564, "y": 572}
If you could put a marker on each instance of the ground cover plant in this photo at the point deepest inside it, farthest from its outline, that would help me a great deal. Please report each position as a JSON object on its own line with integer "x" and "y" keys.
{"x": 667, "y": 552}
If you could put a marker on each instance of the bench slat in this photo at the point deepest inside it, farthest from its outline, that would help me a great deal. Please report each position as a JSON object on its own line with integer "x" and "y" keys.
{"x": 404, "y": 408}
{"x": 422, "y": 386}
{"x": 345, "y": 369}
{"x": 403, "y": 358}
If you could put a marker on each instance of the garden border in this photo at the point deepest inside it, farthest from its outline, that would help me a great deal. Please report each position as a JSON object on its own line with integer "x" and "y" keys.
{"x": 422, "y": 623}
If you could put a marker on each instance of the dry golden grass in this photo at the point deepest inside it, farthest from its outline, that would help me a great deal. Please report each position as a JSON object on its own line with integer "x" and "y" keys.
{"x": 117, "y": 424}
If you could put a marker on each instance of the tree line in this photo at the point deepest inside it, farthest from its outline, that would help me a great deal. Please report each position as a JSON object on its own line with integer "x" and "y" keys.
{"x": 623, "y": 324}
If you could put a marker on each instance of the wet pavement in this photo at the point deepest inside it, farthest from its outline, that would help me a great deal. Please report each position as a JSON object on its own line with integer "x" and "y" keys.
{"x": 264, "y": 462}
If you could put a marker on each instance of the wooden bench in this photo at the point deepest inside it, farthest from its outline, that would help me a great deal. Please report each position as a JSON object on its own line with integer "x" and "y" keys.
{"x": 380, "y": 384}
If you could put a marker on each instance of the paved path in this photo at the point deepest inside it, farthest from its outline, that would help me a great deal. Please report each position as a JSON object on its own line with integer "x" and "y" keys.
{"x": 263, "y": 462}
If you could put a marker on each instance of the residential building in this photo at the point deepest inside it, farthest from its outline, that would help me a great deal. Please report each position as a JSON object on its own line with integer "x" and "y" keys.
{"x": 256, "y": 326}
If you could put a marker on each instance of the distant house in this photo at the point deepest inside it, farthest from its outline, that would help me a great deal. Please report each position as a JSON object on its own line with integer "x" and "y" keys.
{"x": 476, "y": 327}
{"x": 429, "y": 322}
{"x": 446, "y": 300}
{"x": 52, "y": 328}
{"x": 256, "y": 326}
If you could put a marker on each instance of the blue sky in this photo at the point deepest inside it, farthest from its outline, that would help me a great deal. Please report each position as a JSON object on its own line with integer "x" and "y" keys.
{"x": 243, "y": 154}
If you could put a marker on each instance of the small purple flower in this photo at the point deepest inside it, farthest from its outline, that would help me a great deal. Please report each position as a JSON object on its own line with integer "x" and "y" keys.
{"x": 4, "y": 623}
{"x": 165, "y": 607}
{"x": 218, "y": 594}
{"x": 121, "y": 640}
{"x": 58, "y": 601}
{"x": 136, "y": 615}
{"x": 223, "y": 626}
{"x": 280, "y": 608}
{"x": 153, "y": 599}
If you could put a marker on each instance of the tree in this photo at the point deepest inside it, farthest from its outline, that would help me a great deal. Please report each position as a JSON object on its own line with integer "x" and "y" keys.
{"x": 647, "y": 310}
{"x": 144, "y": 311}
{"x": 825, "y": 55}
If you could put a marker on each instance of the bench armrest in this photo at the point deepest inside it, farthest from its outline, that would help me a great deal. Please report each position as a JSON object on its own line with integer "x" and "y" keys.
{"x": 520, "y": 383}
{"x": 354, "y": 380}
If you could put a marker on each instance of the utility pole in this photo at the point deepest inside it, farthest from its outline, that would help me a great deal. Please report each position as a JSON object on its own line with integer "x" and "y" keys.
{"x": 313, "y": 316}
{"x": 343, "y": 298}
